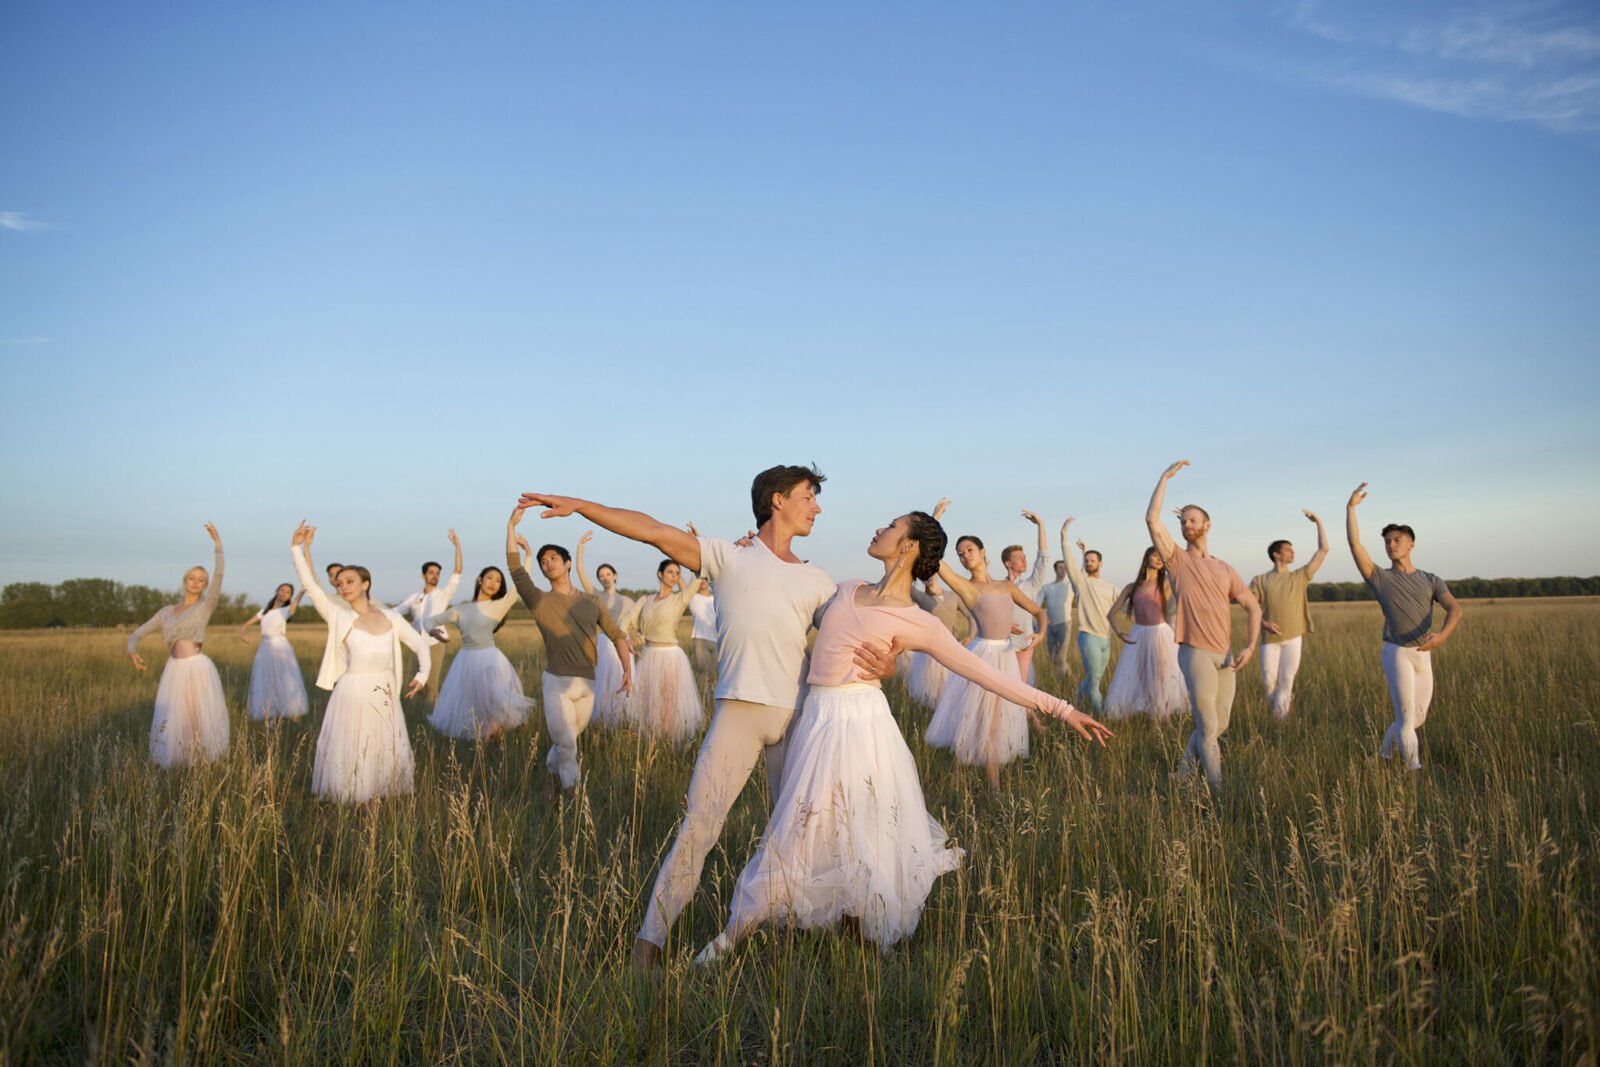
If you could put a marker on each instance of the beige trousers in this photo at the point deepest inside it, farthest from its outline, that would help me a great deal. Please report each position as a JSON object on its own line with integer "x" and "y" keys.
{"x": 739, "y": 732}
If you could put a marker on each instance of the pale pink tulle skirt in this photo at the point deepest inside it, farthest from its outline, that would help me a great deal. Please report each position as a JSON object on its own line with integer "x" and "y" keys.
{"x": 363, "y": 750}
{"x": 191, "y": 720}
{"x": 1147, "y": 681}
{"x": 481, "y": 695}
{"x": 664, "y": 702}
{"x": 979, "y": 726}
{"x": 277, "y": 689}
{"x": 850, "y": 833}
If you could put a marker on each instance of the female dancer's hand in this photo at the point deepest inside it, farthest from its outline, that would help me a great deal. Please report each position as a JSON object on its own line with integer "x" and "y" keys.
{"x": 1125, "y": 638}
{"x": 588, "y": 535}
{"x": 940, "y": 508}
{"x": 138, "y": 663}
{"x": 1038, "y": 636}
{"x": 414, "y": 688}
{"x": 1357, "y": 495}
{"x": 303, "y": 534}
{"x": 1088, "y": 727}
{"x": 216, "y": 538}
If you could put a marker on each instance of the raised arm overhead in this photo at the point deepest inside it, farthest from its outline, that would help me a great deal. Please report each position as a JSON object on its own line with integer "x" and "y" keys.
{"x": 1352, "y": 532}
{"x": 1152, "y": 514}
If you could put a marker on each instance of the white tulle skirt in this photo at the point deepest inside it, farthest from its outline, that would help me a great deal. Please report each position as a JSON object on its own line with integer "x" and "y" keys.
{"x": 926, "y": 679}
{"x": 277, "y": 690}
{"x": 363, "y": 750}
{"x": 1147, "y": 681}
{"x": 664, "y": 702}
{"x": 481, "y": 695}
{"x": 980, "y": 727}
{"x": 610, "y": 708}
{"x": 850, "y": 833}
{"x": 191, "y": 720}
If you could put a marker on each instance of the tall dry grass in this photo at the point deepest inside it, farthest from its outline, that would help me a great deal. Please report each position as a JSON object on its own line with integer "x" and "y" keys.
{"x": 1323, "y": 907}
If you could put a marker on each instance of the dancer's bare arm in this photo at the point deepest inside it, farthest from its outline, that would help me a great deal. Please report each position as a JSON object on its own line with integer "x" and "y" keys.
{"x": 677, "y": 545}
{"x": 1124, "y": 600}
{"x": 1322, "y": 546}
{"x": 1452, "y": 618}
{"x": 1040, "y": 616}
{"x": 583, "y": 571}
{"x": 963, "y": 588}
{"x": 1352, "y": 532}
{"x": 1159, "y": 536}
{"x": 1252, "y": 625}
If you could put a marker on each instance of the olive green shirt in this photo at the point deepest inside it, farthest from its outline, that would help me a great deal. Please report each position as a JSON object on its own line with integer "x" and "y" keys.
{"x": 1284, "y": 603}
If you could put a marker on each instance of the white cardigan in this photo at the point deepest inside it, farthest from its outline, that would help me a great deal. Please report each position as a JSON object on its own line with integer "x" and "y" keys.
{"x": 341, "y": 618}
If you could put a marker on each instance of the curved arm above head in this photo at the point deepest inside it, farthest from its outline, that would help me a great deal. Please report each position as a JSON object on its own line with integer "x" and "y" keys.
{"x": 579, "y": 566}
{"x": 456, "y": 542}
{"x": 325, "y": 605}
{"x": 1159, "y": 535}
{"x": 1352, "y": 532}
{"x": 214, "y": 590}
{"x": 1322, "y": 546}
{"x": 294, "y": 604}
{"x": 677, "y": 545}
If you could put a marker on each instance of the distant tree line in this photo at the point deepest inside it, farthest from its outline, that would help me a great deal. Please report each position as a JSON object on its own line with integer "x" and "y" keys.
{"x": 103, "y": 602}
{"x": 1473, "y": 588}
{"x": 98, "y": 602}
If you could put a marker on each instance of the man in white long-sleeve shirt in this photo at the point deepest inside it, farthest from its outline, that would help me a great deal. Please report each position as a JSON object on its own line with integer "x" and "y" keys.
{"x": 1016, "y": 562}
{"x": 432, "y": 600}
{"x": 703, "y": 610}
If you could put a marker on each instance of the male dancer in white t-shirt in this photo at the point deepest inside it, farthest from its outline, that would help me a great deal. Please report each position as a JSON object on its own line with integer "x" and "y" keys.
{"x": 703, "y": 611}
{"x": 767, "y": 598}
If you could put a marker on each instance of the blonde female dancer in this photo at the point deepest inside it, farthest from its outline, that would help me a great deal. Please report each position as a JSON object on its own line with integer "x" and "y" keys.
{"x": 983, "y": 728}
{"x": 664, "y": 701}
{"x": 363, "y": 751}
{"x": 482, "y": 695}
{"x": 277, "y": 691}
{"x": 1147, "y": 681}
{"x": 610, "y": 707}
{"x": 191, "y": 719}
{"x": 850, "y": 834}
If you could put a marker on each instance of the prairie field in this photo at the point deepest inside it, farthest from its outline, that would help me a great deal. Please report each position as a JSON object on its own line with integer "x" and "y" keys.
{"x": 1322, "y": 907}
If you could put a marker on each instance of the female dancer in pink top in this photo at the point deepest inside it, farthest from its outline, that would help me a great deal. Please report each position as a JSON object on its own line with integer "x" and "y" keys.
{"x": 850, "y": 834}
{"x": 1148, "y": 681}
{"x": 984, "y": 729}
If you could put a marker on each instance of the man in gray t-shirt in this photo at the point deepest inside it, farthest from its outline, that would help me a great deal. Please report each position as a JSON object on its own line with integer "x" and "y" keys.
{"x": 1406, "y": 596}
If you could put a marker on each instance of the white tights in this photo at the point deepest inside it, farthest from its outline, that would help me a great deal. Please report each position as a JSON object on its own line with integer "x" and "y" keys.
{"x": 1410, "y": 674}
{"x": 1280, "y": 661}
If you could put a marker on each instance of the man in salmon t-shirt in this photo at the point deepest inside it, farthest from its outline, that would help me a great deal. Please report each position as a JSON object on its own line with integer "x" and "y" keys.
{"x": 767, "y": 598}
{"x": 1203, "y": 585}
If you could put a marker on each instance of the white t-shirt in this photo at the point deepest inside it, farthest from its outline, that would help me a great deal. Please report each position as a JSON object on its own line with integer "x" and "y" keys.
{"x": 1056, "y": 600}
{"x": 422, "y": 605}
{"x": 703, "y": 610}
{"x": 1030, "y": 586}
{"x": 764, "y": 608}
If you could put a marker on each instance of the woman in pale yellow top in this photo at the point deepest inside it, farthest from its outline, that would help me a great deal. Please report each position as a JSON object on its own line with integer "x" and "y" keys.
{"x": 665, "y": 702}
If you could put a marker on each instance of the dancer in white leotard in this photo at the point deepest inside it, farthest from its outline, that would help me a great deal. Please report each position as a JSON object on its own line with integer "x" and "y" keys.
{"x": 277, "y": 691}
{"x": 191, "y": 719}
{"x": 481, "y": 696}
{"x": 363, "y": 751}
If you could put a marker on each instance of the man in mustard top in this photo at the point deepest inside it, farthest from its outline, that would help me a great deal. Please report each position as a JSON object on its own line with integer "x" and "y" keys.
{"x": 1285, "y": 616}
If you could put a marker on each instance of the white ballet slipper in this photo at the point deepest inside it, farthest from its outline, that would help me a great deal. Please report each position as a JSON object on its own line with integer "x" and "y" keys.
{"x": 716, "y": 950}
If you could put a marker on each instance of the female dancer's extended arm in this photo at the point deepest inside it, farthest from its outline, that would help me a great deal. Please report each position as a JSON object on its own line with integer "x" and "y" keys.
{"x": 583, "y": 572}
{"x": 937, "y": 642}
{"x": 300, "y": 550}
{"x": 1040, "y": 616}
{"x": 214, "y": 590}
{"x": 154, "y": 623}
{"x": 963, "y": 588}
{"x": 244, "y": 627}
{"x": 1123, "y": 602}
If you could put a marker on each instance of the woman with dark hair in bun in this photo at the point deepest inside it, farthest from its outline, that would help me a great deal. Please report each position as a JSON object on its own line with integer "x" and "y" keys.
{"x": 482, "y": 696}
{"x": 850, "y": 834}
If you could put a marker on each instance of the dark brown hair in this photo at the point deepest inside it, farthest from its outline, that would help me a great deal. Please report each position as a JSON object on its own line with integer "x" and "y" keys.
{"x": 780, "y": 481}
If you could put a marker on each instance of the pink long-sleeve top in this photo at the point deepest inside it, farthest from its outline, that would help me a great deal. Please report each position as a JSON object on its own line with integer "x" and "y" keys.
{"x": 846, "y": 625}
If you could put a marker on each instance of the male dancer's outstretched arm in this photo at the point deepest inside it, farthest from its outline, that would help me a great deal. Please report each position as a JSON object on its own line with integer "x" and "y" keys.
{"x": 677, "y": 545}
{"x": 1352, "y": 532}
{"x": 1322, "y": 545}
{"x": 1159, "y": 536}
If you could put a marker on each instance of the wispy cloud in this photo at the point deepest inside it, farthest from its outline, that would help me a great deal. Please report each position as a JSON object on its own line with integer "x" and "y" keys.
{"x": 1536, "y": 62}
{"x": 21, "y": 222}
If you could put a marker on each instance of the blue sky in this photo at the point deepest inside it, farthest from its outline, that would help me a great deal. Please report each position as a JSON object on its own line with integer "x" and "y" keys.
{"x": 385, "y": 266}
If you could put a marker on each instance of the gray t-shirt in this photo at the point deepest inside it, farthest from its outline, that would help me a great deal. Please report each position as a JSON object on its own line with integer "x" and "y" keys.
{"x": 1407, "y": 601}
